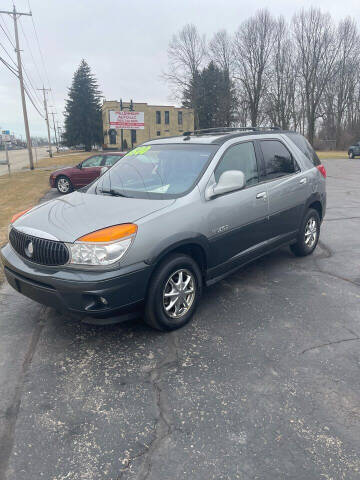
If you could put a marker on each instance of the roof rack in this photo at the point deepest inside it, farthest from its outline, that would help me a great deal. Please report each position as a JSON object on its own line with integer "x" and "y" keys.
{"x": 225, "y": 130}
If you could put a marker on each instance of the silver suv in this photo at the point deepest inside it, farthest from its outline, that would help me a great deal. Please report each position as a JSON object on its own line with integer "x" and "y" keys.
{"x": 173, "y": 215}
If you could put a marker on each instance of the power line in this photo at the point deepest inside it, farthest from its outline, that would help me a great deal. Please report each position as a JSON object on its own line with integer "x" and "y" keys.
{"x": 7, "y": 53}
{"x": 33, "y": 100}
{"x": 31, "y": 85}
{"x": 15, "y": 15}
{"x": 7, "y": 65}
{"x": 41, "y": 53}
{"x": 44, "y": 90}
{"x": 31, "y": 53}
{"x": 15, "y": 72}
{"x": 38, "y": 44}
{"x": 7, "y": 33}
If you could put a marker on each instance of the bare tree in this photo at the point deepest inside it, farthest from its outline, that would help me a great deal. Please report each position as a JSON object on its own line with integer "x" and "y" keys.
{"x": 221, "y": 51}
{"x": 252, "y": 51}
{"x": 186, "y": 54}
{"x": 338, "y": 92}
{"x": 281, "y": 89}
{"x": 317, "y": 55}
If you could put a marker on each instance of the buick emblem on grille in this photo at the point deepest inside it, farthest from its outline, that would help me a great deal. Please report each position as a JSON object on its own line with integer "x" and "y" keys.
{"x": 29, "y": 249}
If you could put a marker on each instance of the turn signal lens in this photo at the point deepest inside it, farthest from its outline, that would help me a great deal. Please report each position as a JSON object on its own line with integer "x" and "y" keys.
{"x": 110, "y": 234}
{"x": 18, "y": 215}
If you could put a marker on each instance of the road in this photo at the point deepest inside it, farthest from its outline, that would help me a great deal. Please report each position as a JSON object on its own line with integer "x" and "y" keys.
{"x": 263, "y": 384}
{"x": 19, "y": 159}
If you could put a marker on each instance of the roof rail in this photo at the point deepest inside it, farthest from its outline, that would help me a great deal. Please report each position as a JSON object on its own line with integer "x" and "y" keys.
{"x": 225, "y": 130}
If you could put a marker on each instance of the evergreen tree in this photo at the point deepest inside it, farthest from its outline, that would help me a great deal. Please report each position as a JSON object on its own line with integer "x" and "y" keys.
{"x": 83, "y": 123}
{"x": 191, "y": 96}
{"x": 212, "y": 95}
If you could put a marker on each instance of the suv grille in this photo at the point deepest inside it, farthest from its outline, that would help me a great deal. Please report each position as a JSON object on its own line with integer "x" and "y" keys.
{"x": 39, "y": 250}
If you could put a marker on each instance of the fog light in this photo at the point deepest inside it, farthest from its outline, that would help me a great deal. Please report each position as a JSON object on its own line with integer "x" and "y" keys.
{"x": 103, "y": 300}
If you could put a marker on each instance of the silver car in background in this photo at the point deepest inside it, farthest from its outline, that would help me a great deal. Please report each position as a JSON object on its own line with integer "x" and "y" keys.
{"x": 172, "y": 216}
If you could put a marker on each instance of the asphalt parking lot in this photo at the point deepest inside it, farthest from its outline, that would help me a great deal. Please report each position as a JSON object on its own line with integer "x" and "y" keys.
{"x": 263, "y": 384}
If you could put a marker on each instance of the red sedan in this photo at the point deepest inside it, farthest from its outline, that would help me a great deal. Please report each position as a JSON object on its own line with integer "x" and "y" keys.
{"x": 70, "y": 178}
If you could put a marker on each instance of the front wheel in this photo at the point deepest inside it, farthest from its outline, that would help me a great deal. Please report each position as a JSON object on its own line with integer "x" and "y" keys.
{"x": 64, "y": 185}
{"x": 308, "y": 235}
{"x": 174, "y": 293}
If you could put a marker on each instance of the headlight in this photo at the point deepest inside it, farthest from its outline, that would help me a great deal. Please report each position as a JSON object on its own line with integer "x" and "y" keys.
{"x": 102, "y": 247}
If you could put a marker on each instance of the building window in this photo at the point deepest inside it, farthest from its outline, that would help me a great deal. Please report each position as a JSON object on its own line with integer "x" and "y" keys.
{"x": 167, "y": 117}
{"x": 112, "y": 136}
{"x": 158, "y": 133}
{"x": 180, "y": 118}
{"x": 158, "y": 117}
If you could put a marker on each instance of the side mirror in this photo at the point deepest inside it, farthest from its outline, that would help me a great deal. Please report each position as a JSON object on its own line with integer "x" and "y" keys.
{"x": 79, "y": 165}
{"x": 229, "y": 181}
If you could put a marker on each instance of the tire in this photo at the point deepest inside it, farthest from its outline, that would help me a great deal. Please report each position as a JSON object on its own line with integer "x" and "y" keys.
{"x": 159, "y": 313}
{"x": 64, "y": 185}
{"x": 306, "y": 242}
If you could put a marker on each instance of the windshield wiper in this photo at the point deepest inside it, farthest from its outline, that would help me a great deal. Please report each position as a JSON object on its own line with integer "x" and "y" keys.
{"x": 112, "y": 192}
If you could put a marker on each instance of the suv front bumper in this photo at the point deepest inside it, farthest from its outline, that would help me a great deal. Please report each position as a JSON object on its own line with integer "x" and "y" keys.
{"x": 97, "y": 293}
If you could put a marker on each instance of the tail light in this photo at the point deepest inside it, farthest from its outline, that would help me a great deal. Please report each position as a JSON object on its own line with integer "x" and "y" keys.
{"x": 322, "y": 170}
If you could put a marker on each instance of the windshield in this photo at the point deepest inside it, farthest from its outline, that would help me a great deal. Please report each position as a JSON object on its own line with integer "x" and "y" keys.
{"x": 155, "y": 171}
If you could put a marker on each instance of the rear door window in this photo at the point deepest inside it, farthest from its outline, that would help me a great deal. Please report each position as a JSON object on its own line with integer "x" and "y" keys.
{"x": 278, "y": 160}
{"x": 304, "y": 146}
{"x": 92, "y": 162}
{"x": 239, "y": 157}
{"x": 109, "y": 160}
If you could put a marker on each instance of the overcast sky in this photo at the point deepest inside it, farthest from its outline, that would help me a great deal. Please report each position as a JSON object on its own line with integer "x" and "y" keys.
{"x": 125, "y": 43}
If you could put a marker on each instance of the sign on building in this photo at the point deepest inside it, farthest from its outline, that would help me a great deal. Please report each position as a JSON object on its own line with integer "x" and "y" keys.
{"x": 126, "y": 120}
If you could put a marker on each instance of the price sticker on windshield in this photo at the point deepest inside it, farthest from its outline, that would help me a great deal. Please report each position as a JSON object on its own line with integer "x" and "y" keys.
{"x": 139, "y": 151}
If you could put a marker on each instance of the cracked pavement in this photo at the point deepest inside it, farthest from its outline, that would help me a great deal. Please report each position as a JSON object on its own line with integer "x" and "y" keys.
{"x": 264, "y": 383}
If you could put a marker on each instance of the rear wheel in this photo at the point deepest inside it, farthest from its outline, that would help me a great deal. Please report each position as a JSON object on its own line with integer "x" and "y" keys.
{"x": 174, "y": 293}
{"x": 308, "y": 235}
{"x": 64, "y": 185}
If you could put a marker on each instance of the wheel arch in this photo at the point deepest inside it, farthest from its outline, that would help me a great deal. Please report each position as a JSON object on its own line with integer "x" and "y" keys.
{"x": 318, "y": 207}
{"x": 195, "y": 246}
{"x": 317, "y": 202}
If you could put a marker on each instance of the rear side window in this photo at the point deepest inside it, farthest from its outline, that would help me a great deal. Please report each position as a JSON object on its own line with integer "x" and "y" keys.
{"x": 92, "y": 162}
{"x": 110, "y": 160}
{"x": 239, "y": 157}
{"x": 304, "y": 146}
{"x": 278, "y": 160}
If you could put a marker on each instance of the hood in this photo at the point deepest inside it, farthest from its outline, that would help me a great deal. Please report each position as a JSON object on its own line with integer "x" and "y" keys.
{"x": 72, "y": 216}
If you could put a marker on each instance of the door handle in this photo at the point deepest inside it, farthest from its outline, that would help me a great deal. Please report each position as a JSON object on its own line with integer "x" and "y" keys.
{"x": 261, "y": 195}
{"x": 303, "y": 180}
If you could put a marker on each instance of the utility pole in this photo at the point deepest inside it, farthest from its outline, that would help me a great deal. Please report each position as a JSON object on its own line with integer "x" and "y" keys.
{"x": 15, "y": 16}
{"x": 56, "y": 137}
{"x": 44, "y": 90}
{"x": 59, "y": 132}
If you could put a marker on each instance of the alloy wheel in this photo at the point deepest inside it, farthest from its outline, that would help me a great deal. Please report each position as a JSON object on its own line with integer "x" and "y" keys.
{"x": 311, "y": 232}
{"x": 179, "y": 293}
{"x": 63, "y": 185}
